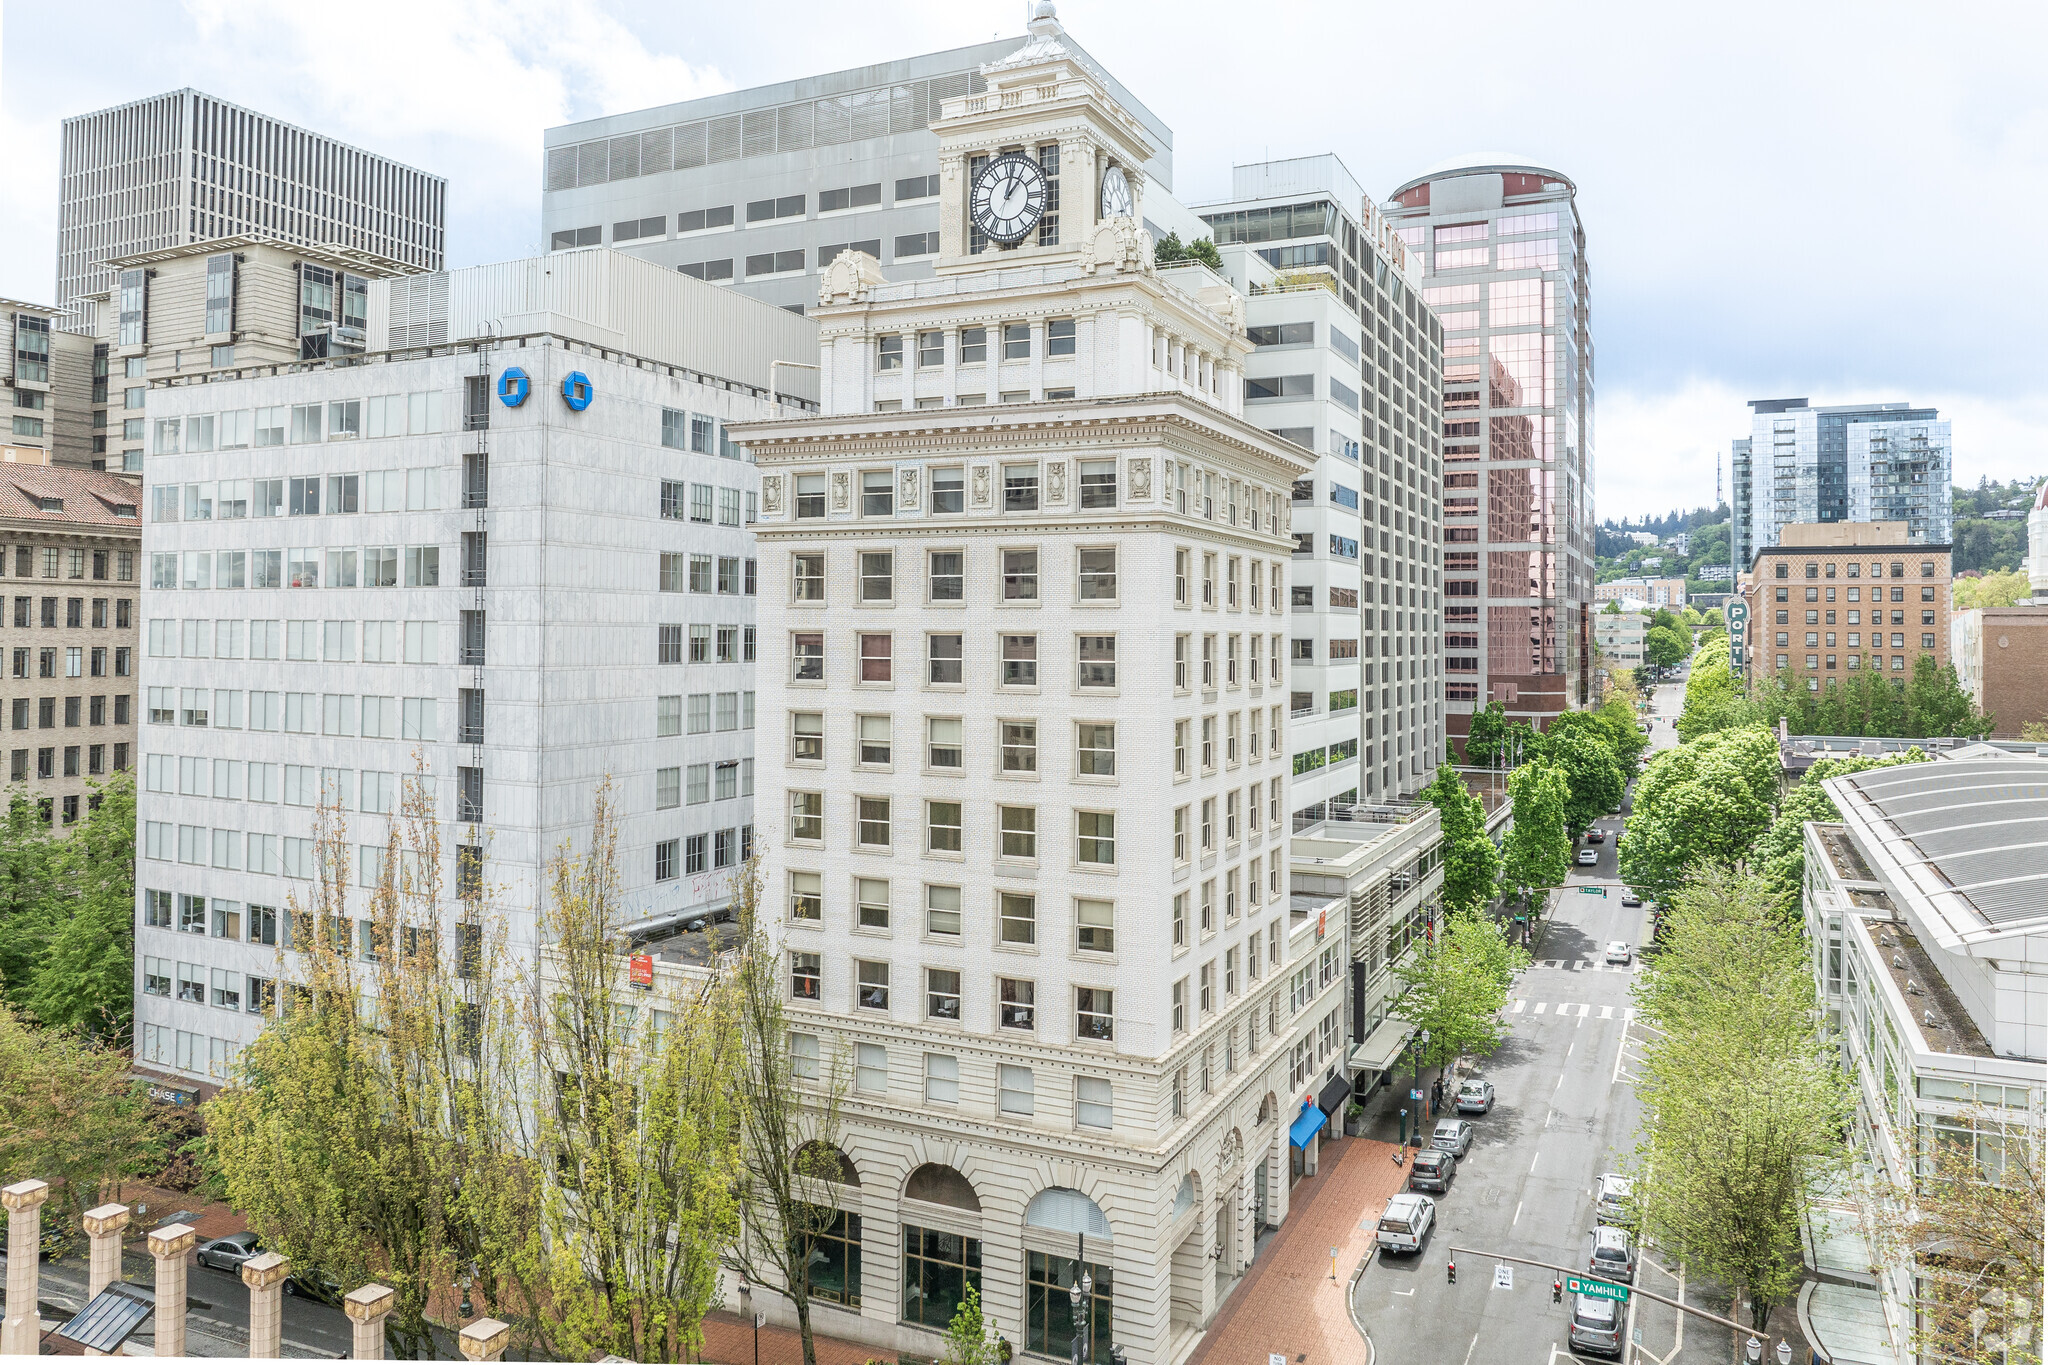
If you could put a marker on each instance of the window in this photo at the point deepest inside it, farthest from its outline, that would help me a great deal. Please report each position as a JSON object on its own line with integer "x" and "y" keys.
{"x": 1019, "y": 831}
{"x": 807, "y": 736}
{"x": 942, "y": 910}
{"x": 1059, "y": 338}
{"x": 942, "y": 749}
{"x": 804, "y": 979}
{"x": 942, "y": 826}
{"x": 944, "y": 658}
{"x": 1095, "y": 1021}
{"x": 1095, "y": 664}
{"x": 1095, "y": 747}
{"x": 948, "y": 580}
{"x": 1014, "y": 1090}
{"x": 807, "y": 816}
{"x": 871, "y": 985}
{"x": 1020, "y": 575}
{"x": 872, "y": 827}
{"x": 1020, "y": 488}
{"x": 875, "y": 658}
{"x": 807, "y": 655}
{"x": 1020, "y": 661}
{"x": 1095, "y": 833}
{"x": 1098, "y": 575}
{"x": 1017, "y": 341}
{"x": 871, "y": 903}
{"x": 877, "y": 576}
{"x": 1094, "y": 926}
{"x": 942, "y": 1001}
{"x": 1019, "y": 744}
{"x": 807, "y": 579}
{"x": 1017, "y": 917}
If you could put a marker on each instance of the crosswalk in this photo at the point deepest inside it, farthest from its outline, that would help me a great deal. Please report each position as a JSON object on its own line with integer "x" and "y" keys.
{"x": 1585, "y": 964}
{"x": 1570, "y": 1009}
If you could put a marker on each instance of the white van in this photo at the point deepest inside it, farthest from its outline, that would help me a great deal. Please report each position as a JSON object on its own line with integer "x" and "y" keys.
{"x": 1406, "y": 1222}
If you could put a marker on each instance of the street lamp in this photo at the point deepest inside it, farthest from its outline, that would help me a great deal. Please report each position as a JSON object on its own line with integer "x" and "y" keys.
{"x": 1784, "y": 1352}
{"x": 1421, "y": 1042}
{"x": 1078, "y": 1296}
{"x": 1753, "y": 1351}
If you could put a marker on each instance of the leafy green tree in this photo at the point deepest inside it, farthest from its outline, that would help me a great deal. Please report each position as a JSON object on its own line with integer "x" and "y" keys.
{"x": 1170, "y": 248}
{"x": 1995, "y": 589}
{"x": 71, "y": 1113}
{"x": 1617, "y": 716}
{"x": 25, "y": 852}
{"x": 85, "y": 976}
{"x": 1663, "y": 618}
{"x": 1713, "y": 700}
{"x": 1483, "y": 736}
{"x": 1936, "y": 704}
{"x": 1537, "y": 853}
{"x": 1744, "y": 1101}
{"x": 1664, "y": 647}
{"x": 1456, "y": 986}
{"x": 1471, "y": 862}
{"x": 1706, "y": 801}
{"x": 1780, "y": 855}
{"x": 1592, "y": 773}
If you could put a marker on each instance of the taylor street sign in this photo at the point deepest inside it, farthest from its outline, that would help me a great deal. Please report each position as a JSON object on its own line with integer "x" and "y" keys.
{"x": 1596, "y": 1289}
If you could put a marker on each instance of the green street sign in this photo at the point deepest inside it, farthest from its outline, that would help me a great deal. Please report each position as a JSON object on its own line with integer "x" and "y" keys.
{"x": 1596, "y": 1289}
{"x": 1600, "y": 891}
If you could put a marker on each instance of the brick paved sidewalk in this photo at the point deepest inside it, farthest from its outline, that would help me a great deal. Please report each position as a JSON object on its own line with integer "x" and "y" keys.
{"x": 729, "y": 1340}
{"x": 1288, "y": 1304}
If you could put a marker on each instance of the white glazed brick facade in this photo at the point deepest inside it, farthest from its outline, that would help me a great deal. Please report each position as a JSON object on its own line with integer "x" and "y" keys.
{"x": 572, "y": 675}
{"x": 1151, "y": 1125}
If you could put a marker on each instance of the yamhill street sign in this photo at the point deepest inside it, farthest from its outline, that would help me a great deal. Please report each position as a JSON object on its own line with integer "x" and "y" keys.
{"x": 1596, "y": 1289}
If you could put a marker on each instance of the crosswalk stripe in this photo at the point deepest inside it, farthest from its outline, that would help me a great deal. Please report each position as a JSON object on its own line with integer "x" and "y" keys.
{"x": 1607, "y": 1011}
{"x": 1520, "y": 1005}
{"x": 1539, "y": 1007}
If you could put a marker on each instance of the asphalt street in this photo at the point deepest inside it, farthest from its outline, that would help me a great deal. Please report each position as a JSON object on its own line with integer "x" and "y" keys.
{"x": 217, "y": 1310}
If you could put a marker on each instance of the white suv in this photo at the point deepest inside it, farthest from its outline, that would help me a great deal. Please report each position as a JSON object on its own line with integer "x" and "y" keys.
{"x": 1406, "y": 1222}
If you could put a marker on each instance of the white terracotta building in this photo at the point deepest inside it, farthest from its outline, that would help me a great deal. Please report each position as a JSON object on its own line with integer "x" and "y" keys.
{"x": 1023, "y": 789}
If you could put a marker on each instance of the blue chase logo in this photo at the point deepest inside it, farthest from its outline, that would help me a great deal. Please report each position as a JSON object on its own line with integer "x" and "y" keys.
{"x": 513, "y": 386}
{"x": 576, "y": 390}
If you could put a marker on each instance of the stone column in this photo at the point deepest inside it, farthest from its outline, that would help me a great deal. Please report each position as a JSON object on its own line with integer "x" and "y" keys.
{"x": 485, "y": 1339}
{"x": 170, "y": 1246}
{"x": 22, "y": 1333}
{"x": 104, "y": 1226}
{"x": 265, "y": 1276}
{"x": 367, "y": 1308}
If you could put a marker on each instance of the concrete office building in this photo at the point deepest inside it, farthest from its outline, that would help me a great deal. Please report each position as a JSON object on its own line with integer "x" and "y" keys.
{"x": 525, "y": 563}
{"x": 185, "y": 166}
{"x": 1619, "y": 636}
{"x": 1505, "y": 255}
{"x": 1032, "y": 873}
{"x": 1655, "y": 592}
{"x": 226, "y": 305}
{"x": 1924, "y": 907}
{"x": 1861, "y": 462}
{"x": 46, "y": 377}
{"x": 1347, "y": 365}
{"x": 761, "y": 188}
{"x": 69, "y": 542}
{"x": 1815, "y": 597}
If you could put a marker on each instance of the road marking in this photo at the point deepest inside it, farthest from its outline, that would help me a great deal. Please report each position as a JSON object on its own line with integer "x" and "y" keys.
{"x": 1470, "y": 1349}
{"x": 1532, "y": 1162}
{"x": 1560, "y": 1080}
{"x": 1607, "y": 1011}
{"x": 1570, "y": 1050}
{"x": 1547, "y": 1118}
{"x": 1539, "y": 1007}
{"x": 1405, "y": 1293}
{"x": 1520, "y": 1005}
{"x": 1511, "y": 1222}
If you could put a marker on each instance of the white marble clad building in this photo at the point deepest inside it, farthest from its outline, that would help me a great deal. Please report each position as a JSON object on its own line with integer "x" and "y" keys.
{"x": 350, "y": 564}
{"x": 1023, "y": 780}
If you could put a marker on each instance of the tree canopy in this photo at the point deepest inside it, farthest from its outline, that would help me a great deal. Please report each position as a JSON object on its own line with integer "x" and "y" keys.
{"x": 1780, "y": 857}
{"x": 1456, "y": 986}
{"x": 1578, "y": 745}
{"x": 1537, "y": 853}
{"x": 1995, "y": 589}
{"x": 1471, "y": 862}
{"x": 1708, "y": 800}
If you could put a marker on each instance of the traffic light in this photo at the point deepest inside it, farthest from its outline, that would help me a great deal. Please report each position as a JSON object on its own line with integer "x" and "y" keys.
{"x": 1557, "y": 1291}
{"x": 1451, "y": 1271}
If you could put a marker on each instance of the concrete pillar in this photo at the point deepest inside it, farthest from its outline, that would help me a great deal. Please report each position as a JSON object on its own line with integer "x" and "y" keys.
{"x": 170, "y": 1246}
{"x": 22, "y": 1333}
{"x": 104, "y": 1226}
{"x": 367, "y": 1308}
{"x": 486, "y": 1339}
{"x": 265, "y": 1276}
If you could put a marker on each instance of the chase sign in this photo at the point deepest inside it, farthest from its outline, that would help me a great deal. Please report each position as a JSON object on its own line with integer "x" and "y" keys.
{"x": 513, "y": 386}
{"x": 576, "y": 390}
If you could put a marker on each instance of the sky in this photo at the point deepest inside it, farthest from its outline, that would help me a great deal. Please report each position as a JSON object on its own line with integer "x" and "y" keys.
{"x": 1780, "y": 200}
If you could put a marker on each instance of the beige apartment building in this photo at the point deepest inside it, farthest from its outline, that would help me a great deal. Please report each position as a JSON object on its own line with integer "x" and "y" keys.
{"x": 1832, "y": 600}
{"x": 1655, "y": 592}
{"x": 70, "y": 544}
{"x": 46, "y": 375}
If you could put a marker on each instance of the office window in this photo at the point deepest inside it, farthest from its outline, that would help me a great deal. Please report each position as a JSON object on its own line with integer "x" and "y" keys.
{"x": 1019, "y": 826}
{"x": 1095, "y": 1021}
{"x": 1017, "y": 917}
{"x": 807, "y": 816}
{"x": 942, "y": 1001}
{"x": 1019, "y": 744}
{"x": 942, "y": 826}
{"x": 1020, "y": 488}
{"x": 871, "y": 981}
{"x": 804, "y": 977}
{"x": 1020, "y": 661}
{"x": 877, "y": 576}
{"x": 872, "y": 821}
{"x": 1095, "y": 747}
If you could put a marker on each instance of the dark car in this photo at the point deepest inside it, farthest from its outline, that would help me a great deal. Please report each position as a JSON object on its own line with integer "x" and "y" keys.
{"x": 228, "y": 1253}
{"x": 1596, "y": 836}
{"x": 317, "y": 1285}
{"x": 1432, "y": 1170}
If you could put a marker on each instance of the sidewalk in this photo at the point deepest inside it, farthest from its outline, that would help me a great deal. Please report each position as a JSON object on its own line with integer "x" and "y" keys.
{"x": 729, "y": 1340}
{"x": 1288, "y": 1305}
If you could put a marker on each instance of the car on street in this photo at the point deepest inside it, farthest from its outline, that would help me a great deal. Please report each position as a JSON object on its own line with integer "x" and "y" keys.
{"x": 1631, "y": 900}
{"x": 1620, "y": 954}
{"x": 1596, "y": 836}
{"x": 1613, "y": 1256}
{"x": 1588, "y": 857}
{"x": 1405, "y": 1222}
{"x": 1432, "y": 1170}
{"x": 1596, "y": 1325}
{"x": 1475, "y": 1097}
{"x": 1611, "y": 1204}
{"x": 1453, "y": 1136}
{"x": 317, "y": 1285}
{"x": 228, "y": 1253}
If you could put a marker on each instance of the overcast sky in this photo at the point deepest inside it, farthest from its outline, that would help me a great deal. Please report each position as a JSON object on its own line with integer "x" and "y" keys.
{"x": 1823, "y": 200}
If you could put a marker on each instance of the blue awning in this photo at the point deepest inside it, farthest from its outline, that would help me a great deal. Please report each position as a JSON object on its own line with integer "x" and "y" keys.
{"x": 1307, "y": 1124}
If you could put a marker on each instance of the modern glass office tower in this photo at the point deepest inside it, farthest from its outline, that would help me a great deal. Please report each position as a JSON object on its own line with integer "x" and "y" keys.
{"x": 184, "y": 167}
{"x": 1506, "y": 269}
{"x": 1857, "y": 462}
{"x": 1348, "y": 365}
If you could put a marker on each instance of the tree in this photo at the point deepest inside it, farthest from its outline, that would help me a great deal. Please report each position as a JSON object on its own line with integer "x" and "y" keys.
{"x": 25, "y": 853}
{"x": 1995, "y": 589}
{"x": 1713, "y": 701}
{"x": 1780, "y": 855}
{"x": 1170, "y": 248}
{"x": 1483, "y": 735}
{"x": 1706, "y": 801}
{"x": 1936, "y": 704}
{"x": 1471, "y": 862}
{"x": 1744, "y": 1102}
{"x": 1455, "y": 987}
{"x": 1617, "y": 716}
{"x": 790, "y": 1162}
{"x": 1537, "y": 853}
{"x": 633, "y": 1164}
{"x": 1665, "y": 646}
{"x": 969, "y": 1340}
{"x": 1577, "y": 746}
{"x": 85, "y": 975}
{"x": 71, "y": 1113}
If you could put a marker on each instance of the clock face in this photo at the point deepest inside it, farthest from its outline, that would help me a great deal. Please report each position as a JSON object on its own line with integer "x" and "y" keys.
{"x": 1116, "y": 193}
{"x": 1009, "y": 198}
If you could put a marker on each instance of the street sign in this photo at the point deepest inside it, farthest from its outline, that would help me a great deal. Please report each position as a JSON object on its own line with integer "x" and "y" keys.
{"x": 1593, "y": 891}
{"x": 1738, "y": 612}
{"x": 1596, "y": 1289}
{"x": 1415, "y": 1094}
{"x": 1503, "y": 1277}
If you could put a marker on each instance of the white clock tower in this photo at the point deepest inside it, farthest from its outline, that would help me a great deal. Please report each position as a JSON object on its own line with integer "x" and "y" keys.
{"x": 1023, "y": 776}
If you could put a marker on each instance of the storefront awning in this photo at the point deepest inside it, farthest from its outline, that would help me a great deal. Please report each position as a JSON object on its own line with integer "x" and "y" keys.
{"x": 1378, "y": 1052}
{"x": 1307, "y": 1124}
{"x": 1332, "y": 1098}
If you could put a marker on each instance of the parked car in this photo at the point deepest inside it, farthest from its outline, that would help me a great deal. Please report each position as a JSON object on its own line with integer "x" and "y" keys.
{"x": 1406, "y": 1220}
{"x": 1432, "y": 1170}
{"x": 1631, "y": 900}
{"x": 1475, "y": 1097}
{"x": 1620, "y": 953}
{"x": 1613, "y": 1256}
{"x": 228, "y": 1253}
{"x": 1596, "y": 1325}
{"x": 1596, "y": 836}
{"x": 1611, "y": 1205}
{"x": 1453, "y": 1136}
{"x": 1588, "y": 857}
{"x": 317, "y": 1285}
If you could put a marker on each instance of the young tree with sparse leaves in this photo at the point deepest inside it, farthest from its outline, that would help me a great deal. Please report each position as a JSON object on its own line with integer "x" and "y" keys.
{"x": 1455, "y": 987}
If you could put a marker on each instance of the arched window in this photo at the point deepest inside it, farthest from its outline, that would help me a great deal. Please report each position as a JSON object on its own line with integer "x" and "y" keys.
{"x": 936, "y": 1184}
{"x": 823, "y": 1161}
{"x": 1059, "y": 1209}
